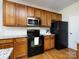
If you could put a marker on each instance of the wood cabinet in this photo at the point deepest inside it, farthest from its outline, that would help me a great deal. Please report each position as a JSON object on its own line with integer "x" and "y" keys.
{"x": 52, "y": 43}
{"x": 48, "y": 42}
{"x": 43, "y": 18}
{"x": 16, "y": 15}
{"x": 21, "y": 15}
{"x": 9, "y": 14}
{"x": 37, "y": 12}
{"x": 56, "y": 17}
{"x": 48, "y": 18}
{"x": 20, "y": 47}
{"x": 7, "y": 43}
{"x": 77, "y": 54}
{"x": 30, "y": 11}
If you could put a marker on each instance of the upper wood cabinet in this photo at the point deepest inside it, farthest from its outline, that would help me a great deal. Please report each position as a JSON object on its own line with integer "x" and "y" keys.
{"x": 30, "y": 11}
{"x": 37, "y": 12}
{"x": 21, "y": 15}
{"x": 9, "y": 14}
{"x": 16, "y": 15}
{"x": 53, "y": 16}
{"x": 48, "y": 18}
{"x": 43, "y": 18}
{"x": 56, "y": 17}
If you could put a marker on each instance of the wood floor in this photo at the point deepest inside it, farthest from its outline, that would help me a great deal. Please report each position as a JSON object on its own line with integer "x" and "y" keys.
{"x": 55, "y": 54}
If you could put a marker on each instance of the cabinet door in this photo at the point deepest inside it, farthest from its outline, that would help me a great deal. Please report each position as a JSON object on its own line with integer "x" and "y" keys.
{"x": 48, "y": 18}
{"x": 77, "y": 54}
{"x": 52, "y": 39}
{"x": 43, "y": 18}
{"x": 53, "y": 16}
{"x": 20, "y": 47}
{"x": 47, "y": 44}
{"x": 30, "y": 11}
{"x": 21, "y": 12}
{"x": 37, "y": 12}
{"x": 58, "y": 17}
{"x": 9, "y": 14}
{"x": 8, "y": 45}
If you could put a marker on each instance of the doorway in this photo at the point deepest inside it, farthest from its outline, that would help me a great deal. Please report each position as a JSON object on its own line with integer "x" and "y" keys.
{"x": 73, "y": 31}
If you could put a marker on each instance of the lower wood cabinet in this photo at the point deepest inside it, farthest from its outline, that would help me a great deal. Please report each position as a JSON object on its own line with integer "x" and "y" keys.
{"x": 20, "y": 47}
{"x": 77, "y": 54}
{"x": 48, "y": 42}
{"x": 52, "y": 42}
{"x": 7, "y": 43}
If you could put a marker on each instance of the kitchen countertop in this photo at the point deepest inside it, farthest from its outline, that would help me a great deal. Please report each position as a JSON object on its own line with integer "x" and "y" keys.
{"x": 5, "y": 53}
{"x": 11, "y": 36}
{"x": 18, "y": 36}
{"x": 49, "y": 35}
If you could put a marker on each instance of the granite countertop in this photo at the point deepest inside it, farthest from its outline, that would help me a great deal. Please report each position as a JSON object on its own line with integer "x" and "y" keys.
{"x": 49, "y": 35}
{"x": 18, "y": 36}
{"x": 5, "y": 53}
{"x": 11, "y": 36}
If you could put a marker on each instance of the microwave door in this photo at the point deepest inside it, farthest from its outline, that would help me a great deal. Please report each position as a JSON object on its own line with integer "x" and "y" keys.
{"x": 36, "y": 22}
{"x": 30, "y": 22}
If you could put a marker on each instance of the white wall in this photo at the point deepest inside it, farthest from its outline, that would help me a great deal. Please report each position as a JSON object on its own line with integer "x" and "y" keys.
{"x": 67, "y": 12}
{"x": 13, "y": 31}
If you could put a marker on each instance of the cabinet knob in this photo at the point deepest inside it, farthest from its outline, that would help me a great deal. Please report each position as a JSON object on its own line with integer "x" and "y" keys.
{"x": 70, "y": 33}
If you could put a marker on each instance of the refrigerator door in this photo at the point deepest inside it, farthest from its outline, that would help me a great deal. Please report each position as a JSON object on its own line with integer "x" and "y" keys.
{"x": 54, "y": 28}
{"x": 60, "y": 29}
{"x": 64, "y": 33}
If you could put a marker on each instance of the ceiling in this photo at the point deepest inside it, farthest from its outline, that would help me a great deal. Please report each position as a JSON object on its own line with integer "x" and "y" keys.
{"x": 52, "y": 4}
{"x": 56, "y": 5}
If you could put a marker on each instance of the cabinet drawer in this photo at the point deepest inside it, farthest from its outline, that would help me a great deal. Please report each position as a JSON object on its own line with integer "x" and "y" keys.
{"x": 20, "y": 39}
{"x": 6, "y": 41}
{"x": 4, "y": 46}
{"x": 47, "y": 37}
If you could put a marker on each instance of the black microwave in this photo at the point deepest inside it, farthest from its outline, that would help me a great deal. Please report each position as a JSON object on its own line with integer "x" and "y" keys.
{"x": 33, "y": 21}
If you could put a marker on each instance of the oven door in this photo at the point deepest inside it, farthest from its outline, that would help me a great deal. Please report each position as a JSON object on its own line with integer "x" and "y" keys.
{"x": 35, "y": 45}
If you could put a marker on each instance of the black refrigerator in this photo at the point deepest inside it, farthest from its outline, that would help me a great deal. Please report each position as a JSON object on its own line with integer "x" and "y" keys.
{"x": 60, "y": 29}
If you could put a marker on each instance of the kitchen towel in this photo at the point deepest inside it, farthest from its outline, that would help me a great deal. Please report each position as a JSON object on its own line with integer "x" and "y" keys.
{"x": 36, "y": 40}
